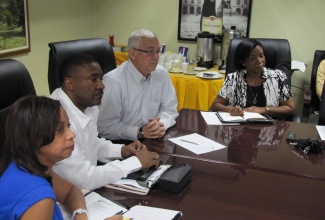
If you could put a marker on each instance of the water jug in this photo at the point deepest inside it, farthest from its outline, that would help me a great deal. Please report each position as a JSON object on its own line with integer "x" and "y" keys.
{"x": 205, "y": 50}
{"x": 228, "y": 35}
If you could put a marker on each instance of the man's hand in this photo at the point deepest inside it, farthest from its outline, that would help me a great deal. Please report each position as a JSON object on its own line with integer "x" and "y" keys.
{"x": 155, "y": 129}
{"x": 148, "y": 158}
{"x": 132, "y": 149}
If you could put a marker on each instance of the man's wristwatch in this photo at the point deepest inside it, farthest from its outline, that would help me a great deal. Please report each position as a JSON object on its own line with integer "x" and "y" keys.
{"x": 140, "y": 134}
{"x": 79, "y": 211}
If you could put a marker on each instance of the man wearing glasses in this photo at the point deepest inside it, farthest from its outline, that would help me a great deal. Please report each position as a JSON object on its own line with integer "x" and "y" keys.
{"x": 139, "y": 99}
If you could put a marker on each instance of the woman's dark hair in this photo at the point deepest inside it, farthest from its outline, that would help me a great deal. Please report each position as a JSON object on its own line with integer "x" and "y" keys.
{"x": 32, "y": 122}
{"x": 242, "y": 52}
{"x": 72, "y": 62}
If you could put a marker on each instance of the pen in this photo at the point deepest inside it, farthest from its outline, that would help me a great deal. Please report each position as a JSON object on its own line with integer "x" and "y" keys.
{"x": 119, "y": 213}
{"x": 191, "y": 142}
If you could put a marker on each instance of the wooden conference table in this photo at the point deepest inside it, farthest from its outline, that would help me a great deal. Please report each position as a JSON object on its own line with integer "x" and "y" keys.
{"x": 258, "y": 147}
{"x": 258, "y": 175}
{"x": 220, "y": 191}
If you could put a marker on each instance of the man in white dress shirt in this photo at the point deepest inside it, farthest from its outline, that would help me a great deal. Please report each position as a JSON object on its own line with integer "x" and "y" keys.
{"x": 139, "y": 99}
{"x": 80, "y": 94}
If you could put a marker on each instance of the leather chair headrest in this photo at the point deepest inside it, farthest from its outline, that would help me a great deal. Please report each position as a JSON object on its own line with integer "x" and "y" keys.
{"x": 99, "y": 48}
{"x": 277, "y": 53}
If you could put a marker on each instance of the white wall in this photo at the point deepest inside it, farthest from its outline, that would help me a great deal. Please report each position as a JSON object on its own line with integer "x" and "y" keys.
{"x": 299, "y": 21}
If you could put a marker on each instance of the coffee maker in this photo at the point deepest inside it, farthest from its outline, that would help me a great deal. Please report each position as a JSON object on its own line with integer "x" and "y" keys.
{"x": 204, "y": 53}
{"x": 227, "y": 36}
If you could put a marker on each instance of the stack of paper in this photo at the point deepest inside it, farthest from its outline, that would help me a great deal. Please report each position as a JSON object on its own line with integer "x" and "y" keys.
{"x": 137, "y": 187}
{"x": 129, "y": 185}
{"x": 100, "y": 208}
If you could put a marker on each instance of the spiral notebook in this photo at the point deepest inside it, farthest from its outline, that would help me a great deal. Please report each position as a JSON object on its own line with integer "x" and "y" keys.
{"x": 249, "y": 117}
{"x": 100, "y": 208}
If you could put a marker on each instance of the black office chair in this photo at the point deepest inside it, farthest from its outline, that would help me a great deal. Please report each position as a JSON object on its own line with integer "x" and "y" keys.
{"x": 314, "y": 104}
{"x": 15, "y": 82}
{"x": 99, "y": 48}
{"x": 277, "y": 53}
{"x": 278, "y": 56}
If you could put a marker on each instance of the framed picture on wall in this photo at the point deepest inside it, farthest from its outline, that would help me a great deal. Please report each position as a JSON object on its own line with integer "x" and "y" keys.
{"x": 14, "y": 27}
{"x": 193, "y": 13}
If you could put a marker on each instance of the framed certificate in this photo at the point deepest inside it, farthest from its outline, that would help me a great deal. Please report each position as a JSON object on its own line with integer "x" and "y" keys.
{"x": 212, "y": 13}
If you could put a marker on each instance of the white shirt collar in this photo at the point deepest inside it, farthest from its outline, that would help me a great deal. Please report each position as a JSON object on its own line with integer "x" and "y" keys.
{"x": 138, "y": 77}
{"x": 82, "y": 118}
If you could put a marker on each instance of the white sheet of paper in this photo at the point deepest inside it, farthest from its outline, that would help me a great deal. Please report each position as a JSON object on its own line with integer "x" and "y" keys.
{"x": 100, "y": 208}
{"x": 321, "y": 131}
{"x": 298, "y": 65}
{"x": 203, "y": 144}
{"x": 139, "y": 212}
{"x": 212, "y": 119}
{"x": 130, "y": 182}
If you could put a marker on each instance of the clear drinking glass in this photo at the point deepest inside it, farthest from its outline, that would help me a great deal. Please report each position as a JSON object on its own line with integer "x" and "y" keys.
{"x": 190, "y": 67}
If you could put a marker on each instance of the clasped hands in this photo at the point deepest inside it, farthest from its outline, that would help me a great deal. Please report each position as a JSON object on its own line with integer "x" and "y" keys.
{"x": 155, "y": 129}
{"x": 146, "y": 157}
{"x": 238, "y": 111}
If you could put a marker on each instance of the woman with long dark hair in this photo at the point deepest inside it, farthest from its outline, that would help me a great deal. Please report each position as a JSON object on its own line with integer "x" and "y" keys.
{"x": 37, "y": 136}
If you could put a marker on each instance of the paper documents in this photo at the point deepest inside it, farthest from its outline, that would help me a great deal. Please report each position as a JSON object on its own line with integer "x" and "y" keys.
{"x": 139, "y": 212}
{"x": 197, "y": 144}
{"x": 100, "y": 208}
{"x": 129, "y": 185}
{"x": 298, "y": 65}
{"x": 212, "y": 119}
{"x": 321, "y": 131}
{"x": 153, "y": 178}
{"x": 137, "y": 187}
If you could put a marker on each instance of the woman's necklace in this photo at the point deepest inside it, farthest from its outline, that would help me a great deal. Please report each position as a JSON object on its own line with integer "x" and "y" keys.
{"x": 254, "y": 95}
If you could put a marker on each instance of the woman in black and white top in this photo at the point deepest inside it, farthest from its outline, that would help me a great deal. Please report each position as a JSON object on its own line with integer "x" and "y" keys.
{"x": 253, "y": 87}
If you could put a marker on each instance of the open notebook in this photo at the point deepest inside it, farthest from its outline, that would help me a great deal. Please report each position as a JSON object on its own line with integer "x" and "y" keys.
{"x": 249, "y": 117}
{"x": 100, "y": 208}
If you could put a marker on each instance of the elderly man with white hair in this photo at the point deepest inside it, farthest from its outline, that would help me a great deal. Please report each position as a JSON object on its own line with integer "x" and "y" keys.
{"x": 139, "y": 98}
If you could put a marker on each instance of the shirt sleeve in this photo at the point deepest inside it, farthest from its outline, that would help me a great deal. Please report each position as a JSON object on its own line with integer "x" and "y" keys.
{"x": 109, "y": 122}
{"x": 107, "y": 150}
{"x": 78, "y": 170}
{"x": 168, "y": 107}
{"x": 320, "y": 78}
{"x": 31, "y": 197}
{"x": 228, "y": 88}
{"x": 284, "y": 87}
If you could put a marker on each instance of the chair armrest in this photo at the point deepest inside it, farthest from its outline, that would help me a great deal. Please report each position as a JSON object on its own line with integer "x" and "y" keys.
{"x": 313, "y": 119}
{"x": 296, "y": 117}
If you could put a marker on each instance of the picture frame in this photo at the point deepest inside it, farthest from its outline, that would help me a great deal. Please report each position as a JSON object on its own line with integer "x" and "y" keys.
{"x": 234, "y": 13}
{"x": 14, "y": 32}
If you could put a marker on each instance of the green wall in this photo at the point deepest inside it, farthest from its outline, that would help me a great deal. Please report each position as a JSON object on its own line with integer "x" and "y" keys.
{"x": 52, "y": 21}
{"x": 299, "y": 21}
